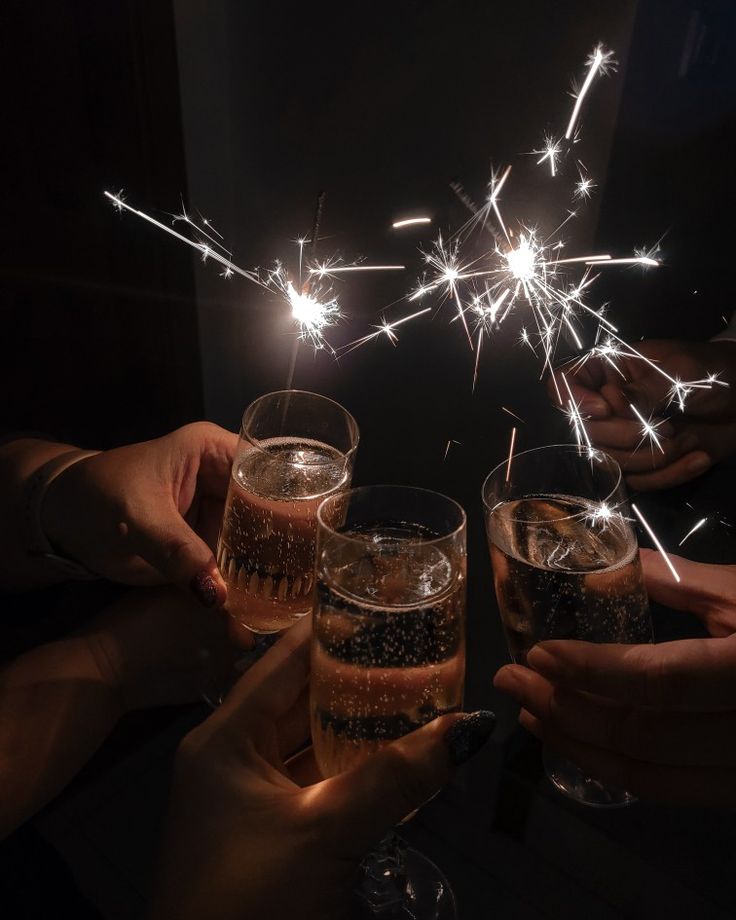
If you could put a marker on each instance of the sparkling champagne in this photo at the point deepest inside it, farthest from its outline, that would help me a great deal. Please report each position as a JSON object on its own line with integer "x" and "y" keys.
{"x": 267, "y": 543}
{"x": 388, "y": 646}
{"x": 560, "y": 572}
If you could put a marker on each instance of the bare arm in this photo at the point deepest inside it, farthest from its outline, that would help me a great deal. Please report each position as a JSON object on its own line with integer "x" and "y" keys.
{"x": 56, "y": 709}
{"x": 59, "y": 702}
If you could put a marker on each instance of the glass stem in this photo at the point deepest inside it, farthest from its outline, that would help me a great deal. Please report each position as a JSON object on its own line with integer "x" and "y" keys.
{"x": 383, "y": 887}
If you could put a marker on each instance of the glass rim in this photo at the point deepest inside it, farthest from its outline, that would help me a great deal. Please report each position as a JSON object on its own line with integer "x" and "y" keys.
{"x": 348, "y": 493}
{"x": 258, "y": 443}
{"x": 567, "y": 448}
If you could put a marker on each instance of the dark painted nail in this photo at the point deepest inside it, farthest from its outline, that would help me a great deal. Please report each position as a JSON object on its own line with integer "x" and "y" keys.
{"x": 468, "y": 735}
{"x": 204, "y": 588}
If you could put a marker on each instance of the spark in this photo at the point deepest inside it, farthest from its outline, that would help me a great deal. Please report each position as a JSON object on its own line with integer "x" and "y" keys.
{"x": 311, "y": 314}
{"x": 583, "y": 188}
{"x": 656, "y": 542}
{"x": 410, "y": 222}
{"x": 325, "y": 268}
{"x": 601, "y": 514}
{"x": 576, "y": 418}
{"x": 633, "y": 260}
{"x": 206, "y": 251}
{"x": 384, "y": 328}
{"x": 513, "y": 414}
{"x": 447, "y": 449}
{"x": 551, "y": 151}
{"x": 511, "y": 453}
{"x": 648, "y": 430}
{"x": 692, "y": 530}
{"x": 599, "y": 62}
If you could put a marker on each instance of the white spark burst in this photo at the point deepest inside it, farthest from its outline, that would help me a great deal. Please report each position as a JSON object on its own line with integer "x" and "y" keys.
{"x": 648, "y": 430}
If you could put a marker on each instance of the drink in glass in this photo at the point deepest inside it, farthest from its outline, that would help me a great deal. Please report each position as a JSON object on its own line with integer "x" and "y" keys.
{"x": 388, "y": 637}
{"x": 565, "y": 566}
{"x": 295, "y": 449}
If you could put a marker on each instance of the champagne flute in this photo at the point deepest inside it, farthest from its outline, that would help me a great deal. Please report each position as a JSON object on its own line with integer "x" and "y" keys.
{"x": 565, "y": 566}
{"x": 388, "y": 654}
{"x": 295, "y": 449}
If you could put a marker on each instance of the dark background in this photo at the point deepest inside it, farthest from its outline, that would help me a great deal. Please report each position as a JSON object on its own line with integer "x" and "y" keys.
{"x": 113, "y": 332}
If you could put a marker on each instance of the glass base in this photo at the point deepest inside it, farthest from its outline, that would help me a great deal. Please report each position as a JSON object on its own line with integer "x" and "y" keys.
{"x": 576, "y": 785}
{"x": 399, "y": 883}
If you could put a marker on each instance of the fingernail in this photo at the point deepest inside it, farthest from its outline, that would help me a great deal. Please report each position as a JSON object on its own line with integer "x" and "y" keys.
{"x": 699, "y": 463}
{"x": 204, "y": 588}
{"x": 468, "y": 735}
{"x": 542, "y": 660}
{"x": 597, "y": 407}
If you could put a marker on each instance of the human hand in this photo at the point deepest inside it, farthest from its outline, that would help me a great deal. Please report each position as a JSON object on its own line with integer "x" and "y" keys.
{"x": 147, "y": 513}
{"x": 157, "y": 647}
{"x": 692, "y": 440}
{"x": 656, "y": 720}
{"x": 244, "y": 837}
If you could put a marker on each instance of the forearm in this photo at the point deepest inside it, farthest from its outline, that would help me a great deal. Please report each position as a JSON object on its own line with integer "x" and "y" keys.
{"x": 55, "y": 711}
{"x": 20, "y": 461}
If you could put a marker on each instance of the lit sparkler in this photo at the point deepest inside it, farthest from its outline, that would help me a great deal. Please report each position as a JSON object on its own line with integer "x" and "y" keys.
{"x": 313, "y": 304}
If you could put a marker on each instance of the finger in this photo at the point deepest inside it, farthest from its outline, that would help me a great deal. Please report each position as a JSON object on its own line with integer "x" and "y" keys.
{"x": 648, "y": 455}
{"x": 685, "y": 785}
{"x": 584, "y": 386}
{"x": 302, "y": 768}
{"x": 702, "y": 587}
{"x": 215, "y": 448}
{"x": 707, "y": 591}
{"x": 682, "y": 470}
{"x": 293, "y": 726}
{"x": 650, "y": 735}
{"x": 169, "y": 544}
{"x": 688, "y": 675}
{"x": 367, "y": 801}
{"x": 272, "y": 686}
{"x": 621, "y": 433}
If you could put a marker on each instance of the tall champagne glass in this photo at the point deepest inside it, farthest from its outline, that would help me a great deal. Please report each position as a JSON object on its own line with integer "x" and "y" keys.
{"x": 295, "y": 449}
{"x": 388, "y": 653}
{"x": 565, "y": 566}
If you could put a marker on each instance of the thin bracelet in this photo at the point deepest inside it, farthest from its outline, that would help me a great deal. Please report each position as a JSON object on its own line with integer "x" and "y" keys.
{"x": 36, "y": 489}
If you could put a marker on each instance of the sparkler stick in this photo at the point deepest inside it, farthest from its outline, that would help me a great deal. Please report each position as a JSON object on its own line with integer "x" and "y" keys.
{"x": 511, "y": 453}
{"x": 656, "y": 542}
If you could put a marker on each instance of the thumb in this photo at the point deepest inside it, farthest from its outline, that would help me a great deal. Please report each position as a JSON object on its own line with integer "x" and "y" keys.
{"x": 370, "y": 799}
{"x": 169, "y": 544}
{"x": 702, "y": 586}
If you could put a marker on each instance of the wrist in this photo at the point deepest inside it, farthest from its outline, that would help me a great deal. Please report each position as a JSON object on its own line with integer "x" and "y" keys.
{"x": 55, "y": 508}
{"x": 106, "y": 665}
